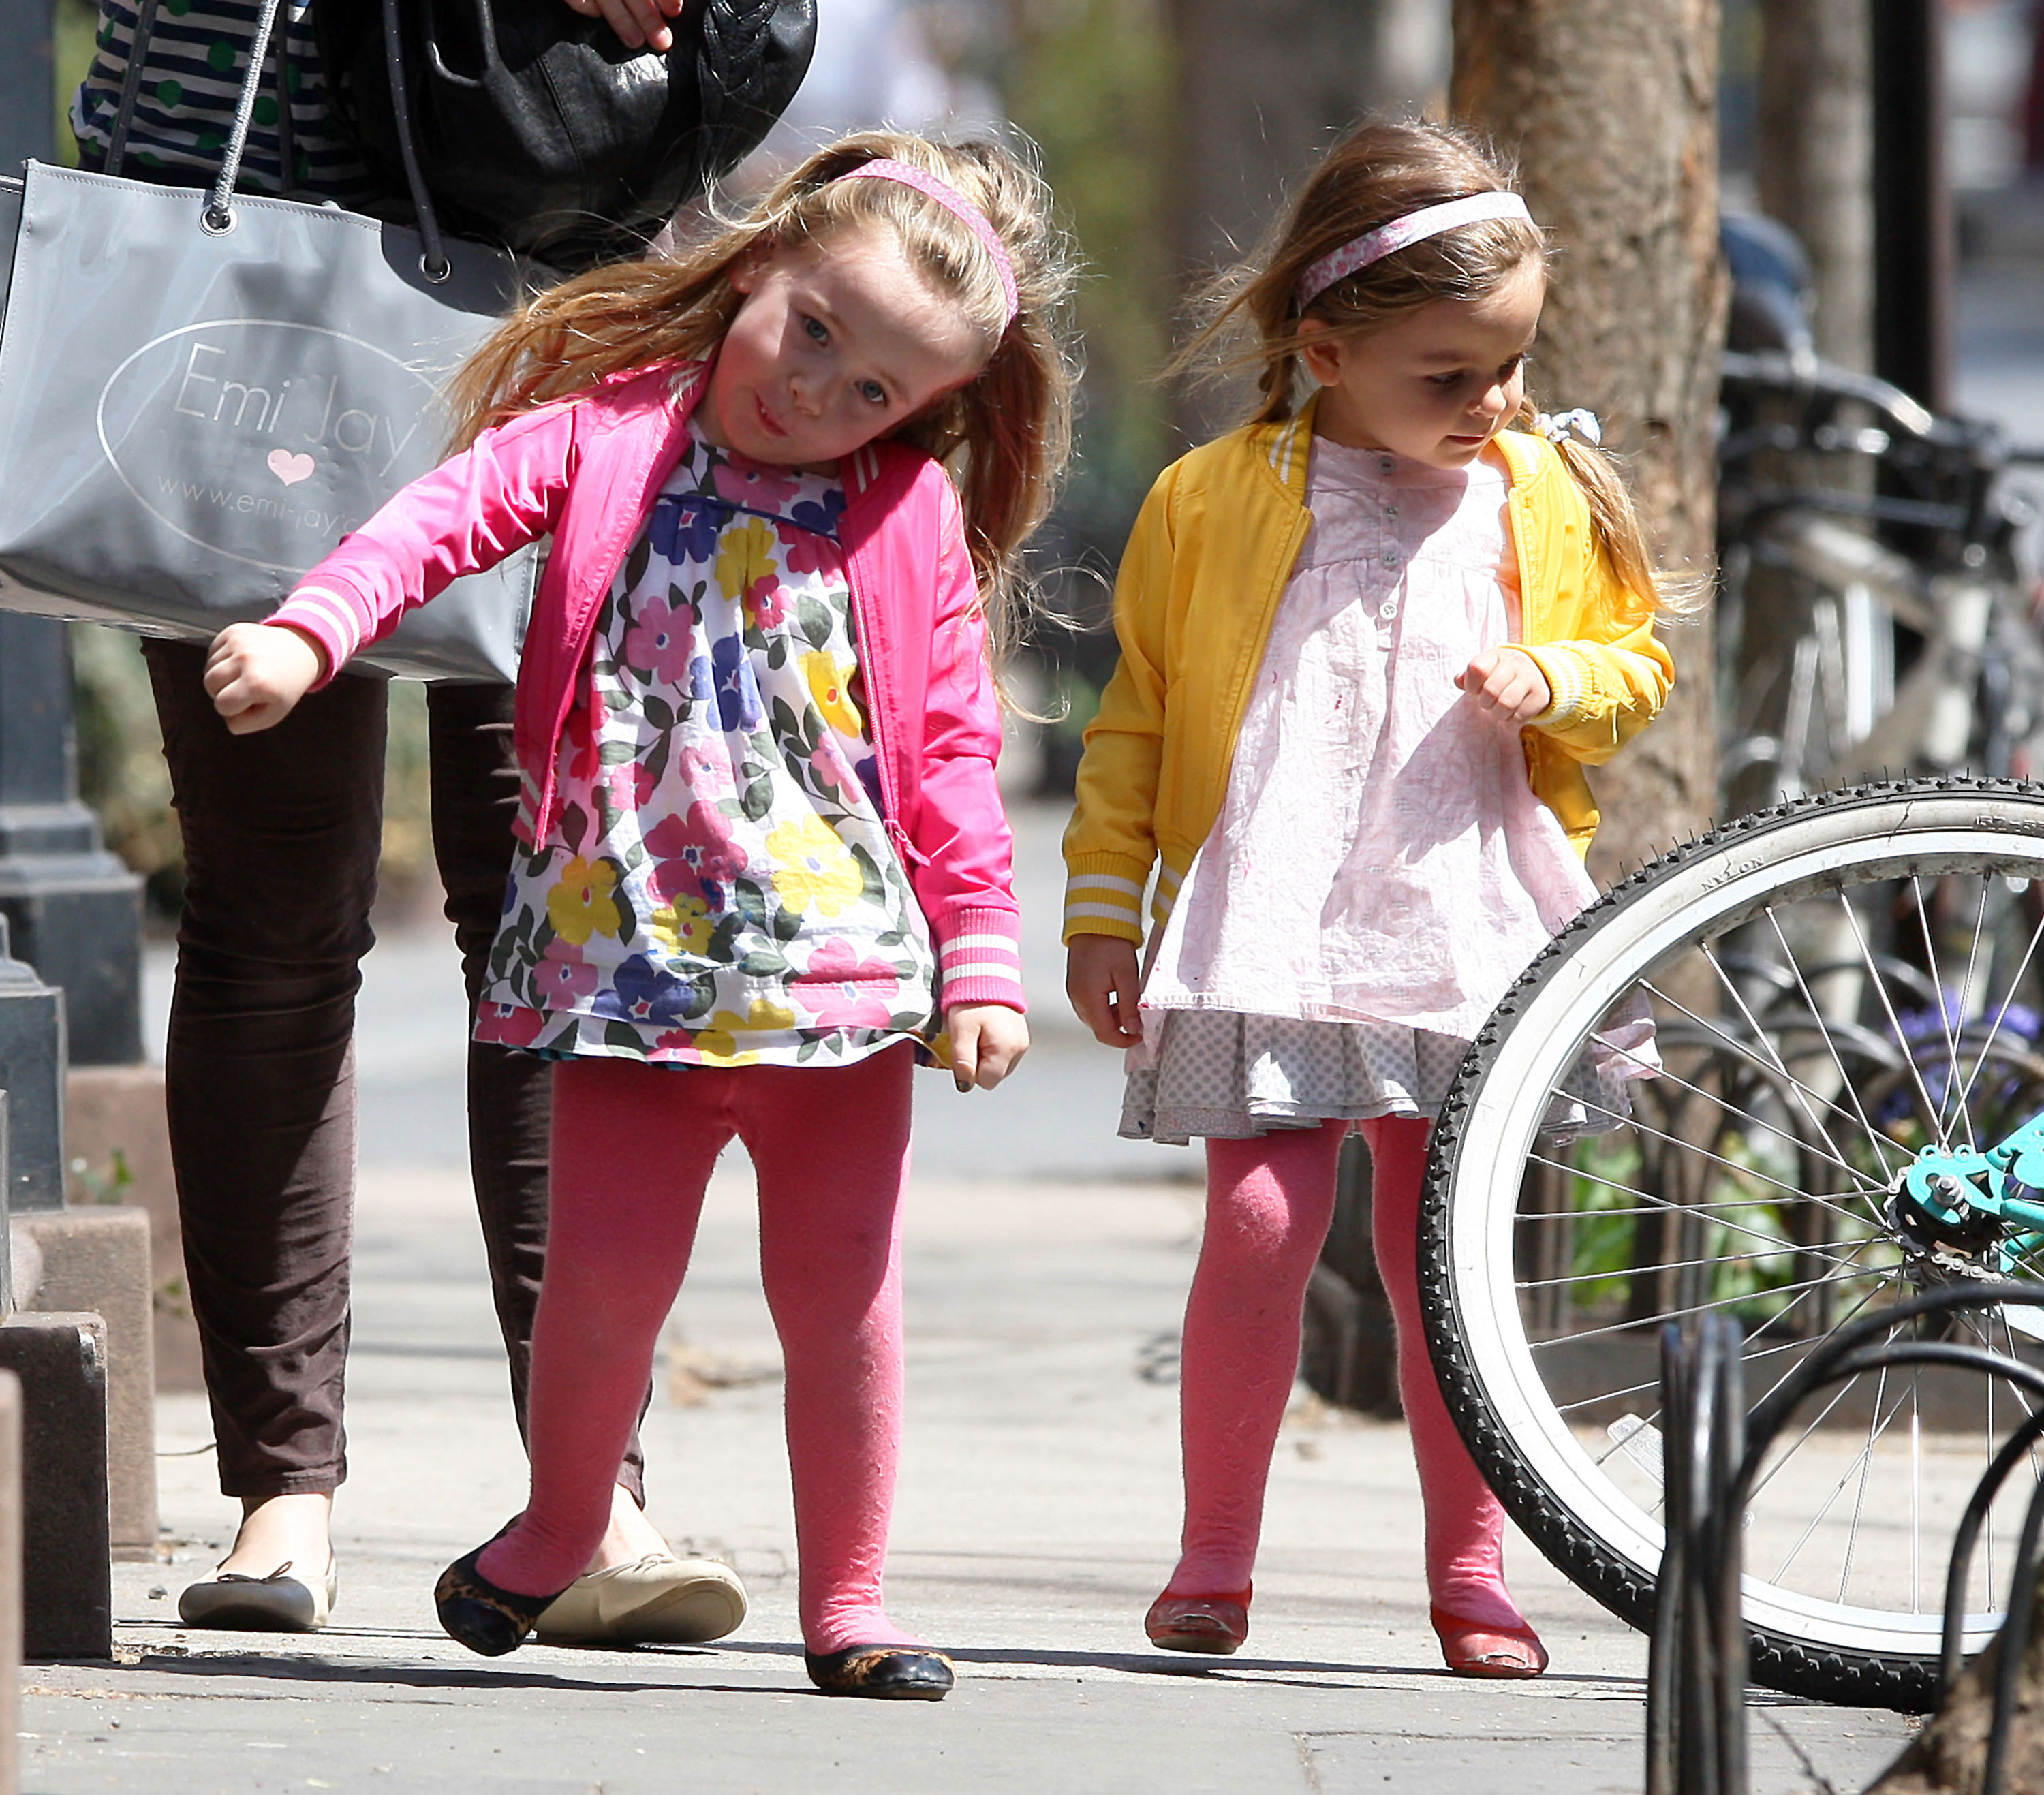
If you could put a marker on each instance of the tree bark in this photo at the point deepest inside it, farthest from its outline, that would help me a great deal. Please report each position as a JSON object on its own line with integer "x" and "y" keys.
{"x": 1610, "y": 106}
{"x": 1948, "y": 1756}
{"x": 1814, "y": 169}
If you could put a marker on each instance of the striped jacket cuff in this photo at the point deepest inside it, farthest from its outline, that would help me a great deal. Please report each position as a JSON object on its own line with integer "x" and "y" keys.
{"x": 980, "y": 961}
{"x": 1568, "y": 684}
{"x": 328, "y": 618}
{"x": 1104, "y": 897}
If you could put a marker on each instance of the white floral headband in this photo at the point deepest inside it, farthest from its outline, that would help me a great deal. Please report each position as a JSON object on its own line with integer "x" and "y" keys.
{"x": 1386, "y": 240}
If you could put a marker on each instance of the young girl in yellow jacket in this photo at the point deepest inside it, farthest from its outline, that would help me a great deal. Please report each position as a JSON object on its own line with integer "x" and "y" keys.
{"x": 1368, "y": 642}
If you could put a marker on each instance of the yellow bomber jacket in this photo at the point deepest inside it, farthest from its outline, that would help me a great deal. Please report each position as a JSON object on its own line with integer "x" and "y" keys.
{"x": 1210, "y": 556}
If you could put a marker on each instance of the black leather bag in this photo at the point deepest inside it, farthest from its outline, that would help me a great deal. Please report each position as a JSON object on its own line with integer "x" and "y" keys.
{"x": 536, "y": 127}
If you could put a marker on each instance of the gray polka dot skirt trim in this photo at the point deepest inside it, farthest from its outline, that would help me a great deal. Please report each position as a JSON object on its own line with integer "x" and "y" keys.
{"x": 1219, "y": 1075}
{"x": 1223, "y": 1076}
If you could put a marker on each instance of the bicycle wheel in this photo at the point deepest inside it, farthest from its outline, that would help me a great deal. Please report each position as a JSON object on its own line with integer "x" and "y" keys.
{"x": 1792, "y": 963}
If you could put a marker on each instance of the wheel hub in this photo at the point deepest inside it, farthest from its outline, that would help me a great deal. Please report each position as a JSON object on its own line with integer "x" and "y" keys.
{"x": 1953, "y": 1209}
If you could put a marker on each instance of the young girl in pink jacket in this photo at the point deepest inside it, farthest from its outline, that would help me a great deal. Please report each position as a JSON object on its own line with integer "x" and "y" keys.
{"x": 765, "y": 869}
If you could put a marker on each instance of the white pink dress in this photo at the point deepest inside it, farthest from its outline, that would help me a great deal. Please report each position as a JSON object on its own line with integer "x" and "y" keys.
{"x": 1381, "y": 871}
{"x": 719, "y": 889}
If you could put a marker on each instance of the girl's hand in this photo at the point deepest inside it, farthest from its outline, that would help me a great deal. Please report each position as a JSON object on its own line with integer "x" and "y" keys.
{"x": 1103, "y": 984}
{"x": 637, "y": 23}
{"x": 988, "y": 1041}
{"x": 1508, "y": 684}
{"x": 256, "y": 673}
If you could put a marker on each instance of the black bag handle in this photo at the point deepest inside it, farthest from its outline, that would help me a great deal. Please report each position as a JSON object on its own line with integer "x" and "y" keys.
{"x": 131, "y": 84}
{"x": 492, "y": 61}
{"x": 433, "y": 264}
{"x": 216, "y": 217}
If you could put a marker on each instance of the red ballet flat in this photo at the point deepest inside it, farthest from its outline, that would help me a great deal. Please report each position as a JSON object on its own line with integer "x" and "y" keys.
{"x": 1217, "y": 1624}
{"x": 1472, "y": 1649}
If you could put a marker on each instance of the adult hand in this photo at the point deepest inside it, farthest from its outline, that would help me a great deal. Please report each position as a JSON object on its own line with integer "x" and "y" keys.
{"x": 1103, "y": 984}
{"x": 256, "y": 673}
{"x": 637, "y": 23}
{"x": 1507, "y": 683}
{"x": 988, "y": 1041}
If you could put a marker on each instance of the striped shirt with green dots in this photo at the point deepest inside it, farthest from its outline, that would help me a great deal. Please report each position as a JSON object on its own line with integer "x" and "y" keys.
{"x": 194, "y": 62}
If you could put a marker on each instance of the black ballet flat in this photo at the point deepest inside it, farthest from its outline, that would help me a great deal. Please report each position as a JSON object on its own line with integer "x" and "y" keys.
{"x": 884, "y": 1672}
{"x": 482, "y": 1617}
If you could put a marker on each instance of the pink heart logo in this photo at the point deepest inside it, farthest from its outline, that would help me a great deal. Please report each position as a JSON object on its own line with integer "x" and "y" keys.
{"x": 291, "y": 468}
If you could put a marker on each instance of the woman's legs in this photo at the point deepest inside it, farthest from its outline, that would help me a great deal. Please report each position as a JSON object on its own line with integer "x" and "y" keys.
{"x": 1269, "y": 1202}
{"x": 475, "y": 785}
{"x": 632, "y": 1149}
{"x": 1465, "y": 1524}
{"x": 831, "y": 1150}
{"x": 281, "y": 834}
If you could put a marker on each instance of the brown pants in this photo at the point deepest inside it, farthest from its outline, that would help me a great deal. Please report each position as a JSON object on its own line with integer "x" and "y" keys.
{"x": 283, "y": 830}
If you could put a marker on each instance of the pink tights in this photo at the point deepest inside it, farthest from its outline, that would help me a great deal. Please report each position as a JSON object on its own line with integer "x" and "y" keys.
{"x": 633, "y": 1146}
{"x": 1269, "y": 1202}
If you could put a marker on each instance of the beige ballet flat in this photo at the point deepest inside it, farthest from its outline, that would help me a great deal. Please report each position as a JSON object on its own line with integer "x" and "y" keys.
{"x": 662, "y": 1600}
{"x": 275, "y": 1604}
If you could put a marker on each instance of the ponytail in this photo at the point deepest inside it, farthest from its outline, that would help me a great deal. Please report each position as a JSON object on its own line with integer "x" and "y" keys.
{"x": 1649, "y": 590}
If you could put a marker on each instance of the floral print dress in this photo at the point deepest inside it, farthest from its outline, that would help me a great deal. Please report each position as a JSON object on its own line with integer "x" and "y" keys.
{"x": 720, "y": 889}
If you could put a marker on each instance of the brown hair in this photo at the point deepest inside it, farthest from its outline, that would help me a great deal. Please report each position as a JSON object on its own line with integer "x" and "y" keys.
{"x": 1005, "y": 437}
{"x": 1377, "y": 172}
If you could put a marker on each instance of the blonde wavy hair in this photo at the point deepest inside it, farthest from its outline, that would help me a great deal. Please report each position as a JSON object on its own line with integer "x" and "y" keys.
{"x": 1004, "y": 438}
{"x": 1378, "y": 172}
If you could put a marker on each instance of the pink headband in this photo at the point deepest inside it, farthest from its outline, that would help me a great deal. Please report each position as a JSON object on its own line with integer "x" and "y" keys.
{"x": 952, "y": 200}
{"x": 1428, "y": 221}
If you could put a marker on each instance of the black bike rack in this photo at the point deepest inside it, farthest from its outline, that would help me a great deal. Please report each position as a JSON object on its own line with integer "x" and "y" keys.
{"x": 1696, "y": 1661}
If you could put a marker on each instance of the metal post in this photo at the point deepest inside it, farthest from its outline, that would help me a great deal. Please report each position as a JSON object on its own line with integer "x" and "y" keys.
{"x": 28, "y": 83}
{"x": 1913, "y": 242}
{"x": 74, "y": 911}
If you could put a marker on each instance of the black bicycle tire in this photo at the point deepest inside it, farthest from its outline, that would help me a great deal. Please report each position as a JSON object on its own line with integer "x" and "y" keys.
{"x": 1794, "y": 1666}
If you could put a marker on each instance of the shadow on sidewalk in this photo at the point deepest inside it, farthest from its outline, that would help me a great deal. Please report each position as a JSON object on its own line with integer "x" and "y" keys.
{"x": 290, "y": 1666}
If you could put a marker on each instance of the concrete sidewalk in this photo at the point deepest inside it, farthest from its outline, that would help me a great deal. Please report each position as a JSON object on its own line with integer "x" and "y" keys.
{"x": 1036, "y": 1520}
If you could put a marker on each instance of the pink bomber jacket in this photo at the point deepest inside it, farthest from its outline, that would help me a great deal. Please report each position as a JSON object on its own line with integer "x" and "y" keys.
{"x": 587, "y": 470}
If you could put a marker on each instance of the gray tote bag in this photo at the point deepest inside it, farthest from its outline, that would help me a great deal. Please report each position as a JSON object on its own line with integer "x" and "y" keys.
{"x": 200, "y": 394}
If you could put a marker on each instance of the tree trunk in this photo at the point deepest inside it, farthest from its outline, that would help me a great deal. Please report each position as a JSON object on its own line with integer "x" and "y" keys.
{"x": 1610, "y": 106}
{"x": 1815, "y": 163}
{"x": 1949, "y": 1755}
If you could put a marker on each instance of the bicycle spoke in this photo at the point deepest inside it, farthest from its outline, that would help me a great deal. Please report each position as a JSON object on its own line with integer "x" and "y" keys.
{"x": 1802, "y": 1091}
{"x": 1668, "y": 1205}
{"x": 1704, "y": 1152}
{"x": 1733, "y": 1109}
{"x": 1876, "y": 1429}
{"x": 1916, "y": 1504}
{"x": 1931, "y": 1110}
{"x": 1859, "y": 1497}
{"x": 2001, "y": 1015}
{"x": 1613, "y": 1183}
{"x": 1965, "y": 990}
{"x": 1880, "y": 1142}
{"x": 1944, "y": 1019}
{"x": 1672, "y": 1314}
{"x": 1801, "y": 1346}
{"x": 1782, "y": 1249}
